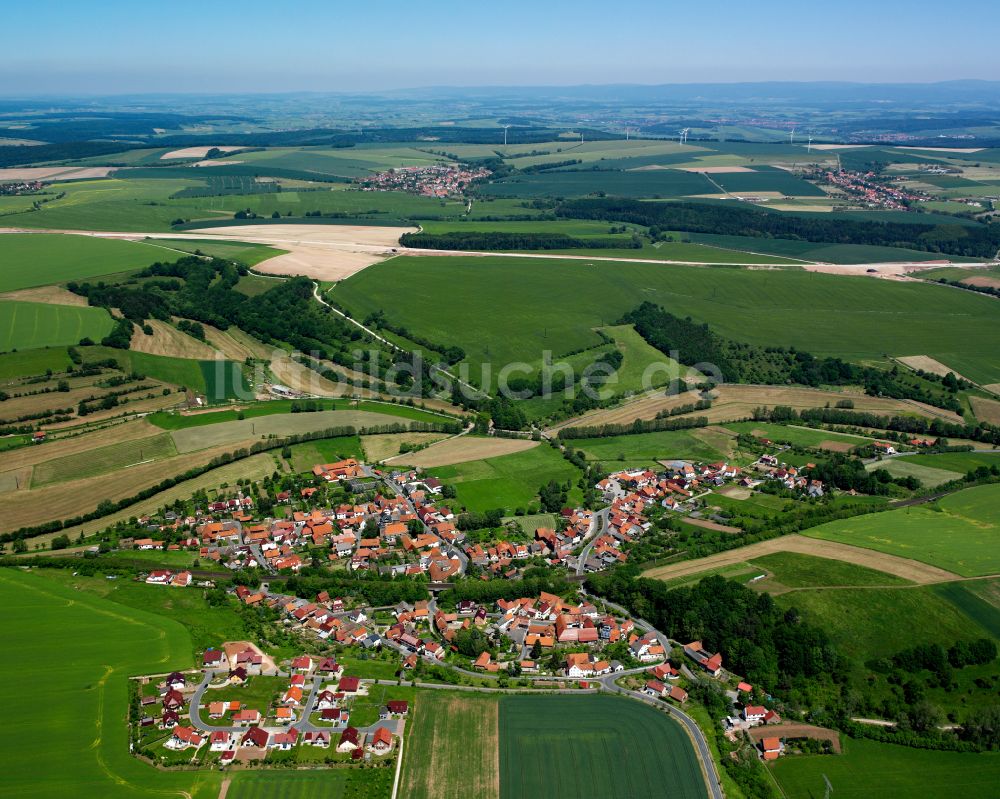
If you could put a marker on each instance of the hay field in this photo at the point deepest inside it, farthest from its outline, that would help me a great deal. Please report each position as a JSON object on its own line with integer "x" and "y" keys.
{"x": 168, "y": 340}
{"x": 928, "y": 364}
{"x": 930, "y": 476}
{"x": 379, "y": 447}
{"x": 54, "y": 295}
{"x": 63, "y": 447}
{"x": 452, "y": 750}
{"x": 911, "y": 570}
{"x": 27, "y": 325}
{"x": 463, "y": 449}
{"x": 112, "y": 458}
{"x": 986, "y": 410}
{"x": 68, "y": 499}
{"x": 197, "y": 152}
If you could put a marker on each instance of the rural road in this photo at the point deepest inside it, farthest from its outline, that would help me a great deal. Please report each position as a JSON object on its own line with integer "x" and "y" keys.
{"x": 599, "y": 523}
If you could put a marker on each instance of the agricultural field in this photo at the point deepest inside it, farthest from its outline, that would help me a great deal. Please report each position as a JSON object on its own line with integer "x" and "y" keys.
{"x": 451, "y": 750}
{"x": 800, "y": 436}
{"x": 379, "y": 447}
{"x": 646, "y": 449}
{"x": 26, "y": 325}
{"x": 511, "y": 311}
{"x": 508, "y": 481}
{"x": 872, "y": 770}
{"x": 102, "y": 460}
{"x": 326, "y": 450}
{"x": 32, "y": 259}
{"x": 463, "y": 449}
{"x": 928, "y": 475}
{"x": 959, "y": 533}
{"x": 26, "y": 363}
{"x": 559, "y": 747}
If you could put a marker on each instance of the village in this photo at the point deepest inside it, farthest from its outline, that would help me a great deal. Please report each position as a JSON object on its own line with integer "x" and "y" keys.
{"x": 440, "y": 180}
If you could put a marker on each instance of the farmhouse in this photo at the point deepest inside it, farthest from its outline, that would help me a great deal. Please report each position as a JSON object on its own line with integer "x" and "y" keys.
{"x": 709, "y": 662}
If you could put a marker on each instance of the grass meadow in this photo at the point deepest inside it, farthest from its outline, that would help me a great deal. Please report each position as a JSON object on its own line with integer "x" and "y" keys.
{"x": 560, "y": 747}
{"x": 960, "y": 533}
{"x": 645, "y": 449}
{"x": 26, "y": 363}
{"x": 872, "y": 770}
{"x": 26, "y": 325}
{"x": 516, "y": 309}
{"x": 30, "y": 259}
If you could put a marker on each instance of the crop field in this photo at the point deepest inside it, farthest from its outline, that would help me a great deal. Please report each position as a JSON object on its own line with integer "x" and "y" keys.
{"x": 795, "y": 570}
{"x": 25, "y": 325}
{"x": 798, "y": 436}
{"x": 464, "y": 449}
{"x": 960, "y": 533}
{"x": 508, "y": 481}
{"x": 977, "y": 599}
{"x": 102, "y": 460}
{"x": 342, "y": 783}
{"x": 928, "y": 475}
{"x": 872, "y": 770}
{"x": 907, "y": 569}
{"x": 511, "y": 308}
{"x": 655, "y": 183}
{"x": 32, "y": 259}
{"x": 326, "y": 450}
{"x": 26, "y": 363}
{"x": 244, "y": 252}
{"x": 986, "y": 410}
{"x": 560, "y": 746}
{"x": 961, "y": 462}
{"x": 645, "y": 449}
{"x": 451, "y": 750}
{"x": 378, "y": 447}
{"x": 216, "y": 379}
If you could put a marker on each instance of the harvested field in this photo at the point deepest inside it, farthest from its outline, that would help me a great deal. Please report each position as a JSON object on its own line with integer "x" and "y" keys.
{"x": 54, "y": 172}
{"x": 302, "y": 378}
{"x": 197, "y": 152}
{"x": 318, "y": 262}
{"x": 928, "y": 364}
{"x": 380, "y": 447}
{"x": 453, "y": 750}
{"x": 836, "y": 446}
{"x": 53, "y": 295}
{"x": 168, "y": 340}
{"x": 983, "y": 281}
{"x": 112, "y": 458}
{"x": 986, "y": 410}
{"x": 192, "y": 439}
{"x": 734, "y": 402}
{"x": 465, "y": 448}
{"x": 710, "y": 525}
{"x": 235, "y": 349}
{"x": 58, "y": 448}
{"x": 912, "y": 570}
{"x": 716, "y": 170}
{"x": 797, "y": 731}
{"x": 68, "y": 499}
{"x": 255, "y": 467}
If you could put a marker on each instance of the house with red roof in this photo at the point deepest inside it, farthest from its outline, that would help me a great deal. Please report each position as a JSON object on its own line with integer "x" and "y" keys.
{"x": 381, "y": 742}
{"x": 184, "y": 738}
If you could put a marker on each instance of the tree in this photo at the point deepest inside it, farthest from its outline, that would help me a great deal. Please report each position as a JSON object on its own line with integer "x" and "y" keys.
{"x": 536, "y": 650}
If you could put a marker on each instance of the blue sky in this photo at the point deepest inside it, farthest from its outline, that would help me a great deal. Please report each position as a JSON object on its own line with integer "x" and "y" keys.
{"x": 111, "y": 46}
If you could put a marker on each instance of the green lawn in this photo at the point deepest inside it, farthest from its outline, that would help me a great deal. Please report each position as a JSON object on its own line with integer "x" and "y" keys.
{"x": 25, "y": 325}
{"x": 515, "y": 309}
{"x": 508, "y": 481}
{"x": 872, "y": 770}
{"x": 959, "y": 533}
{"x": 560, "y": 747}
{"x": 30, "y": 259}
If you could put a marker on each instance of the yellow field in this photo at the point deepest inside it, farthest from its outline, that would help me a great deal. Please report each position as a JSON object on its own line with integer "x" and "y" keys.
{"x": 986, "y": 410}
{"x": 380, "y": 447}
{"x": 462, "y": 449}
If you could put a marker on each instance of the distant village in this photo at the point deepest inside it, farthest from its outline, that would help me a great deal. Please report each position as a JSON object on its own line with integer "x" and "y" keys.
{"x": 439, "y": 180}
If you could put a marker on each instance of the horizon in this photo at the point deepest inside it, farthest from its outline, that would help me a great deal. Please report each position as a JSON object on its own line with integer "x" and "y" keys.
{"x": 122, "y": 49}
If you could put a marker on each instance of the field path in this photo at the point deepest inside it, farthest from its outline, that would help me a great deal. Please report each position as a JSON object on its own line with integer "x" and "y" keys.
{"x": 915, "y": 571}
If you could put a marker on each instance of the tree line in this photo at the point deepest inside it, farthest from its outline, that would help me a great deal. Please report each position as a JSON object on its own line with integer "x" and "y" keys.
{"x": 502, "y": 240}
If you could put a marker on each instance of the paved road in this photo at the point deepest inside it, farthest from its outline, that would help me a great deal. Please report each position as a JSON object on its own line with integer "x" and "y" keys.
{"x": 597, "y": 525}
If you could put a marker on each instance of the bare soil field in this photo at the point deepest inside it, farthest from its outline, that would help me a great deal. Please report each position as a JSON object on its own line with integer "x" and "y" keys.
{"x": 797, "y": 731}
{"x": 380, "y": 447}
{"x": 912, "y": 570}
{"x": 836, "y": 446}
{"x": 318, "y": 262}
{"x": 465, "y": 448}
{"x": 709, "y": 525}
{"x": 716, "y": 170}
{"x": 168, "y": 340}
{"x": 66, "y": 500}
{"x": 343, "y": 235}
{"x": 735, "y": 492}
{"x": 197, "y": 152}
{"x": 986, "y": 410}
{"x": 51, "y": 295}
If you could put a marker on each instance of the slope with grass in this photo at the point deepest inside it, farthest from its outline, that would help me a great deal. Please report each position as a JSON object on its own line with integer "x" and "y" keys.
{"x": 26, "y": 325}
{"x": 959, "y": 533}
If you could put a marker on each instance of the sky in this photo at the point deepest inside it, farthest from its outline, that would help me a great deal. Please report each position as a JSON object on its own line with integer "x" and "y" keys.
{"x": 114, "y": 47}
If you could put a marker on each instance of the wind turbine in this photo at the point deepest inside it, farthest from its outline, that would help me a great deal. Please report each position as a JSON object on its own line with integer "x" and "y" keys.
{"x": 682, "y": 139}
{"x": 505, "y": 135}
{"x": 809, "y": 147}
{"x": 791, "y": 136}
{"x": 626, "y": 133}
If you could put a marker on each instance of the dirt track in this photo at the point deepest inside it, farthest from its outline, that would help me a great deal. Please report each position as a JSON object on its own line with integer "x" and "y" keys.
{"x": 912, "y": 570}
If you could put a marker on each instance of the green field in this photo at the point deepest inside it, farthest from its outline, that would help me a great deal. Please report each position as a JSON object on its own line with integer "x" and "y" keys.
{"x": 515, "y": 309}
{"x": 25, "y": 325}
{"x": 869, "y": 623}
{"x": 871, "y": 770}
{"x": 928, "y": 475}
{"x": 343, "y": 783}
{"x": 244, "y": 252}
{"x": 28, "y": 363}
{"x": 977, "y": 599}
{"x": 645, "y": 449}
{"x": 959, "y": 533}
{"x": 961, "y": 462}
{"x": 217, "y": 380}
{"x": 561, "y": 747}
{"x": 30, "y": 259}
{"x": 793, "y": 570}
{"x": 102, "y": 460}
{"x": 797, "y": 436}
{"x": 508, "y": 481}
{"x": 327, "y": 450}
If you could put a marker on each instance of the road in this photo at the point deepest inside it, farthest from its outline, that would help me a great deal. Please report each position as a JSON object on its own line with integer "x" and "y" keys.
{"x": 597, "y": 524}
